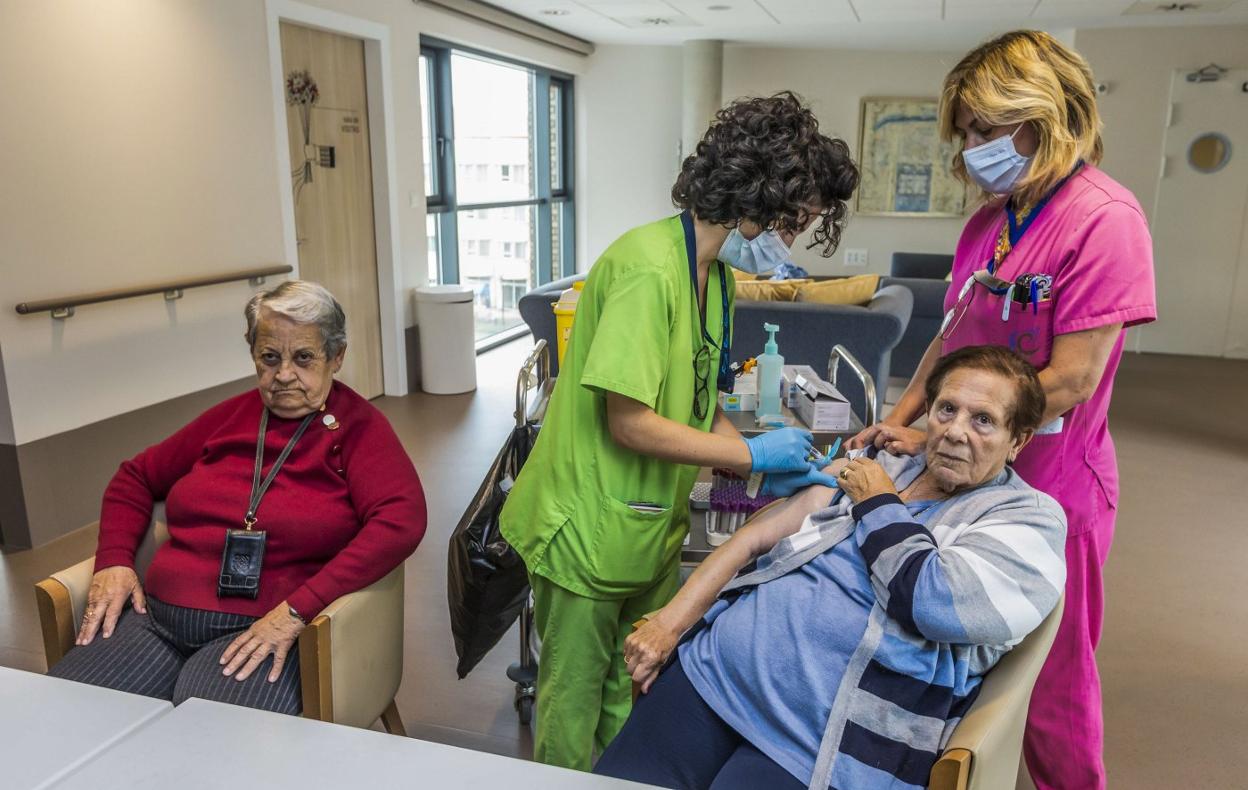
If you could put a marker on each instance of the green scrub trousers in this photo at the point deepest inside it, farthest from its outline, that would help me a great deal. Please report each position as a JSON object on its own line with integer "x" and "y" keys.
{"x": 600, "y": 527}
{"x": 585, "y": 690}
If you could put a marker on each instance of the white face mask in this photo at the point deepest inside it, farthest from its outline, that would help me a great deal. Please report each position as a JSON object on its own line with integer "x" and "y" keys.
{"x": 996, "y": 166}
{"x": 760, "y": 254}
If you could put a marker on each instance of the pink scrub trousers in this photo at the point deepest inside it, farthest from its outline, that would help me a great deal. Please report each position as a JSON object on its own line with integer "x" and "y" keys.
{"x": 1065, "y": 713}
{"x": 1092, "y": 240}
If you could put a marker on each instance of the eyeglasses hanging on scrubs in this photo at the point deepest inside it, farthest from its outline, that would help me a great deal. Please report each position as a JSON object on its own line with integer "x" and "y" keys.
{"x": 994, "y": 285}
{"x": 702, "y": 357}
{"x": 760, "y": 254}
{"x": 996, "y": 165}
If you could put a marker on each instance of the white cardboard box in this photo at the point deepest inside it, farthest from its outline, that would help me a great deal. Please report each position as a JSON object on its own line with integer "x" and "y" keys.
{"x": 820, "y": 405}
{"x": 744, "y": 395}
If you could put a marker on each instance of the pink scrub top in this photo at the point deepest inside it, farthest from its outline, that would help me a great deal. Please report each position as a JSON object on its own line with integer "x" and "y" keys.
{"x": 1093, "y": 240}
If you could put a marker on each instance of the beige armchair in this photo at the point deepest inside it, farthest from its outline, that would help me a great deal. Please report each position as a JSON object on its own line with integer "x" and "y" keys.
{"x": 350, "y": 655}
{"x": 983, "y": 752}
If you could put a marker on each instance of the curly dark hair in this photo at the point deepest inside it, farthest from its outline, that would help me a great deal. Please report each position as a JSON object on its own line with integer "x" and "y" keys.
{"x": 764, "y": 160}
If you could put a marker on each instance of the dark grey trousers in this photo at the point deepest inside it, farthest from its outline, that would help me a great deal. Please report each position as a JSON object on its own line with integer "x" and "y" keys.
{"x": 172, "y": 653}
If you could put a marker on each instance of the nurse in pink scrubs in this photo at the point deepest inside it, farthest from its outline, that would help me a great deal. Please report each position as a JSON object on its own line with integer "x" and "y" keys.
{"x": 1056, "y": 264}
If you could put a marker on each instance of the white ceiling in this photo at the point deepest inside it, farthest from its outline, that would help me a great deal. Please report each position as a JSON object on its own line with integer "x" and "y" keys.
{"x": 923, "y": 25}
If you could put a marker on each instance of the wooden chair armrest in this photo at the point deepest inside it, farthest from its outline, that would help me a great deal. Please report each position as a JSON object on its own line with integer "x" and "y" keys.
{"x": 351, "y": 654}
{"x": 77, "y": 582}
{"x": 56, "y": 619}
{"x": 952, "y": 771}
{"x": 62, "y": 597}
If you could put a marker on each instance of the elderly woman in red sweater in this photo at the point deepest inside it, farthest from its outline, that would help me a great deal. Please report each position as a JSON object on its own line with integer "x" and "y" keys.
{"x": 278, "y": 501}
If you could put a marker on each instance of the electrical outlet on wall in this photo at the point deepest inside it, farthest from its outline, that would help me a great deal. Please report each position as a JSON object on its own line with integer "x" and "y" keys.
{"x": 856, "y": 258}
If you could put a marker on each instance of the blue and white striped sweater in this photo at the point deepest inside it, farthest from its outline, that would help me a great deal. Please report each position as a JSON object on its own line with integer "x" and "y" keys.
{"x": 950, "y": 601}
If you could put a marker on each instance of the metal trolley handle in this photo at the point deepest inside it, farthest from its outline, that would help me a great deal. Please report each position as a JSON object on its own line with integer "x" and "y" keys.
{"x": 528, "y": 379}
{"x": 839, "y": 352}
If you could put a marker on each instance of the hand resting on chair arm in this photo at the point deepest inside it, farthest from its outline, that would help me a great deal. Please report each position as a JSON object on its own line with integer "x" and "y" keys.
{"x": 110, "y": 589}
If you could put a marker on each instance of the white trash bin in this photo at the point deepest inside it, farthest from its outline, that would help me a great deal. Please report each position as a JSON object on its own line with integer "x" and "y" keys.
{"x": 448, "y": 352}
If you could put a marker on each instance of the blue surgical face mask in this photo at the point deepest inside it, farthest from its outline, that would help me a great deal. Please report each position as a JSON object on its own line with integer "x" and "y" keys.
{"x": 996, "y": 166}
{"x": 761, "y": 254}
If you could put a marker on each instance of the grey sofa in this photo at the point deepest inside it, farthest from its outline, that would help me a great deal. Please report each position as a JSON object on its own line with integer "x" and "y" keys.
{"x": 807, "y": 331}
{"x": 923, "y": 274}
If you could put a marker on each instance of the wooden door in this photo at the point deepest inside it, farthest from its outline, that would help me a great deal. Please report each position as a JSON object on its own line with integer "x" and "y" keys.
{"x": 333, "y": 187}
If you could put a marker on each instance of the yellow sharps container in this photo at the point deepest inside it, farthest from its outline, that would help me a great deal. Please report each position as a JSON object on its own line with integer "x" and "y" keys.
{"x": 565, "y": 313}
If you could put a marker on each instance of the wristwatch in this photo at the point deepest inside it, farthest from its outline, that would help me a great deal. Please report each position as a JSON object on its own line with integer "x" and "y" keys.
{"x": 291, "y": 611}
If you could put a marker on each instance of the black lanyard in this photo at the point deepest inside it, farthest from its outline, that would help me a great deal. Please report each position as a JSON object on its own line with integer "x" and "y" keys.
{"x": 257, "y": 488}
{"x": 724, "y": 380}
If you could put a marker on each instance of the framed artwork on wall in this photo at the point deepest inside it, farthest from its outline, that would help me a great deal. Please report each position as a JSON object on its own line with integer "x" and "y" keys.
{"x": 904, "y": 164}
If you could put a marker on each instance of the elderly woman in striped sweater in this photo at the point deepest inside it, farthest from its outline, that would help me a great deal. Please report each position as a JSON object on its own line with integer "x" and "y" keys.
{"x": 847, "y": 654}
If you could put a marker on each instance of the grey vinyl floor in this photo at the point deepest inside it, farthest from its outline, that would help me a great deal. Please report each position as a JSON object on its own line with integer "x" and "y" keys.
{"x": 1174, "y": 659}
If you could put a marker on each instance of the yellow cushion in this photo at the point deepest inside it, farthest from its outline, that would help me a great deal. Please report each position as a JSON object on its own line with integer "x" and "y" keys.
{"x": 741, "y": 276}
{"x": 848, "y": 290}
{"x": 769, "y": 290}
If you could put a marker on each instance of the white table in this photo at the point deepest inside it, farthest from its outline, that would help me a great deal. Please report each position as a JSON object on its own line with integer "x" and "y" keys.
{"x": 205, "y": 745}
{"x": 49, "y": 727}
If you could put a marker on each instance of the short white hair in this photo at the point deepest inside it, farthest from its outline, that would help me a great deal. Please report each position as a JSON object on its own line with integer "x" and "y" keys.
{"x": 303, "y": 302}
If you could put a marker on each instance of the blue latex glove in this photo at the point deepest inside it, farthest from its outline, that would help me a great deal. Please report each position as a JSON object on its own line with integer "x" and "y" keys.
{"x": 785, "y": 484}
{"x": 782, "y": 450}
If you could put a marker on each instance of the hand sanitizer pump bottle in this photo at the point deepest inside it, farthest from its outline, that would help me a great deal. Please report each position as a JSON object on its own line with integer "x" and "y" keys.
{"x": 770, "y": 366}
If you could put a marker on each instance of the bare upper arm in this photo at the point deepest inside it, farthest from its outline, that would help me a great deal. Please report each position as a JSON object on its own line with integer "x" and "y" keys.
{"x": 624, "y": 416}
{"x": 786, "y": 518}
{"x": 1079, "y": 358}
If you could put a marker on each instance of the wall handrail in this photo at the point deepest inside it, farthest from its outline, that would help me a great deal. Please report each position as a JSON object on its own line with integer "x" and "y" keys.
{"x": 63, "y": 307}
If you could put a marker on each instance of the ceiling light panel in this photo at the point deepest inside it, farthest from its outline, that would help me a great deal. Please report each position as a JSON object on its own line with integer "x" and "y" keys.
{"x": 533, "y": 9}
{"x": 898, "y": 10}
{"x": 1081, "y": 9}
{"x": 964, "y": 10}
{"x": 809, "y": 12}
{"x": 740, "y": 14}
{"x": 625, "y": 8}
{"x": 665, "y": 22}
{"x": 642, "y": 14}
{"x": 1201, "y": 7}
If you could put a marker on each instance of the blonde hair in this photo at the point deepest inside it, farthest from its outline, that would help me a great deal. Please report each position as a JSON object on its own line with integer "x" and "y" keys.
{"x": 1027, "y": 76}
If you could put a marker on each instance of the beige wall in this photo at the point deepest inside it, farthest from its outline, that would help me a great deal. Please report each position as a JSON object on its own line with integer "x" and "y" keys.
{"x": 629, "y": 110}
{"x": 140, "y": 145}
{"x": 1139, "y": 64}
{"x": 835, "y": 82}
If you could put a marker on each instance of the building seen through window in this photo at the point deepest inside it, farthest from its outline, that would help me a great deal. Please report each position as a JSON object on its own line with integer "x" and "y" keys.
{"x": 499, "y": 218}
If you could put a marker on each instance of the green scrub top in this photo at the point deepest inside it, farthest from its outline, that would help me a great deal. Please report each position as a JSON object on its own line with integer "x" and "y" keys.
{"x": 636, "y": 331}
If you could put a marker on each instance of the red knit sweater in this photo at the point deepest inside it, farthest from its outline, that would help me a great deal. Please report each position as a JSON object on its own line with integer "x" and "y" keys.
{"x": 345, "y": 509}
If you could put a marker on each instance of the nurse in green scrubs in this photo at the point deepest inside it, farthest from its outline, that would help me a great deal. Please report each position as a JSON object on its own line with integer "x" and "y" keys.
{"x": 600, "y": 509}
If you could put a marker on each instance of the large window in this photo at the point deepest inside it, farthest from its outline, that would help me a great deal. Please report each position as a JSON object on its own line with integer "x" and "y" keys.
{"x": 498, "y": 175}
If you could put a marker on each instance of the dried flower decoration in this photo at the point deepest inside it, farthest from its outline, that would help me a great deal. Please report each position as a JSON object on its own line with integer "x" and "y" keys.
{"x": 301, "y": 88}
{"x": 301, "y": 92}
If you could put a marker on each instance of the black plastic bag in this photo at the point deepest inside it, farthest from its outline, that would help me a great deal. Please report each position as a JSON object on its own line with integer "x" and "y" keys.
{"x": 486, "y": 581}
